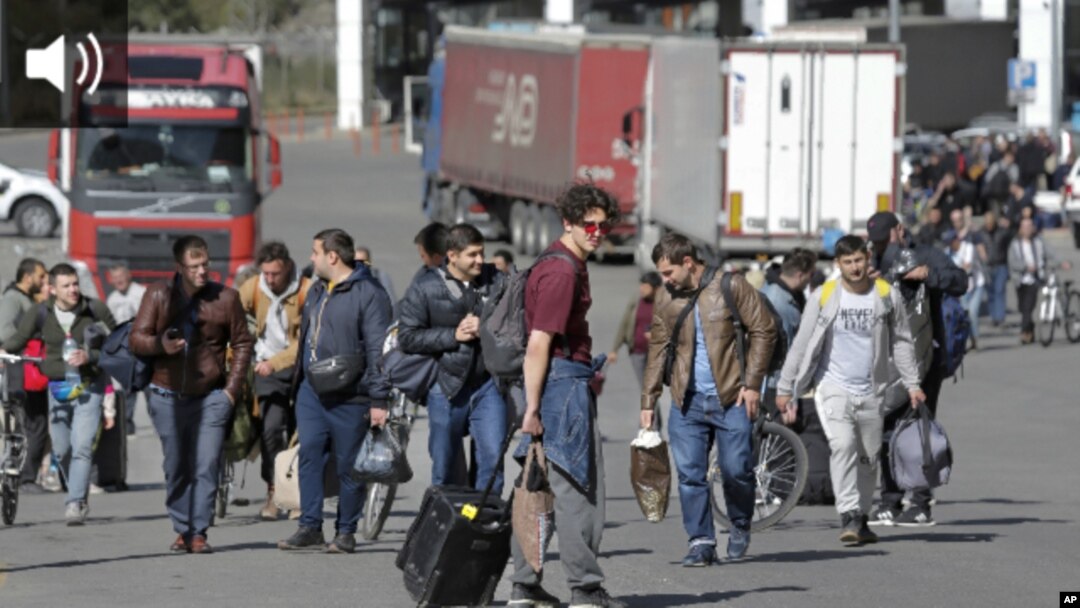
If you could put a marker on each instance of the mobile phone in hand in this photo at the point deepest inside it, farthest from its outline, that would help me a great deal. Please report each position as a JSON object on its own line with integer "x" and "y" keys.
{"x": 172, "y": 333}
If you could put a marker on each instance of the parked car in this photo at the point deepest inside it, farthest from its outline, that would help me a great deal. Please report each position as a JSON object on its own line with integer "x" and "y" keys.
{"x": 31, "y": 201}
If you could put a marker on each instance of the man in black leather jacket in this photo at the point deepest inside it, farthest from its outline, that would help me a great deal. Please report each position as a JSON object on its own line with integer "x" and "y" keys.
{"x": 942, "y": 277}
{"x": 440, "y": 316}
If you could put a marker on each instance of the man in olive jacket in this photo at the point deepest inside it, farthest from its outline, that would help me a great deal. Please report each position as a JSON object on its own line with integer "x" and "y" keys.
{"x": 187, "y": 325}
{"x": 714, "y": 399}
{"x": 74, "y": 408}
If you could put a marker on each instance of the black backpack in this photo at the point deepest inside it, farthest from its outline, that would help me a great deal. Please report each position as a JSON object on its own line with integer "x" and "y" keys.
{"x": 131, "y": 371}
{"x": 780, "y": 348}
{"x": 503, "y": 336}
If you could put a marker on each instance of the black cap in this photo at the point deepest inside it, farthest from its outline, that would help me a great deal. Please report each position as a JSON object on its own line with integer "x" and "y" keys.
{"x": 880, "y": 225}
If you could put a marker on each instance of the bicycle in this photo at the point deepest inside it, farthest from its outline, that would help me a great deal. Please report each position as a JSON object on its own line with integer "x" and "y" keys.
{"x": 226, "y": 476}
{"x": 380, "y": 496}
{"x": 1058, "y": 305}
{"x": 13, "y": 439}
{"x": 780, "y": 471}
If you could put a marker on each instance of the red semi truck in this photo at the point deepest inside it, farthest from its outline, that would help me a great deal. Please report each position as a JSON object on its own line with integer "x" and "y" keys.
{"x": 518, "y": 117}
{"x": 169, "y": 144}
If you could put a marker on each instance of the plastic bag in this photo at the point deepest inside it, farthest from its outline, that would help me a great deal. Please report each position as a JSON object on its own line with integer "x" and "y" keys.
{"x": 650, "y": 474}
{"x": 534, "y": 508}
{"x": 382, "y": 457}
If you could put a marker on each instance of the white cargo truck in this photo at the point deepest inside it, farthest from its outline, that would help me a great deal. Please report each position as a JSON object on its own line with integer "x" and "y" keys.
{"x": 787, "y": 142}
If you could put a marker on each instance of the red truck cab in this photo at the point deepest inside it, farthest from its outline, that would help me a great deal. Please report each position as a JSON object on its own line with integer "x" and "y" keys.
{"x": 169, "y": 144}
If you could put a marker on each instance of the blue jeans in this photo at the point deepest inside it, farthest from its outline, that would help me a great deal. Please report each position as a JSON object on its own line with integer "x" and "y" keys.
{"x": 999, "y": 276}
{"x": 481, "y": 413}
{"x": 192, "y": 430}
{"x": 693, "y": 432}
{"x": 73, "y": 426}
{"x": 972, "y": 301}
{"x": 326, "y": 426}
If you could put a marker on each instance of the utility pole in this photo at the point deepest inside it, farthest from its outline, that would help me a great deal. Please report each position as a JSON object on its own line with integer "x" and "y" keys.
{"x": 894, "y": 21}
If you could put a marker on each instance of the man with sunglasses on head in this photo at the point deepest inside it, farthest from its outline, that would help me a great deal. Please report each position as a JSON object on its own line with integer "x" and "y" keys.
{"x": 186, "y": 325}
{"x": 558, "y": 367}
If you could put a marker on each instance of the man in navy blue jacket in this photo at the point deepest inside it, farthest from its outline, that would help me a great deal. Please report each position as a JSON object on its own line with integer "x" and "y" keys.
{"x": 346, "y": 312}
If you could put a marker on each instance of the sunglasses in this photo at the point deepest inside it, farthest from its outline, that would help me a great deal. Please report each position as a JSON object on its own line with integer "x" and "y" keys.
{"x": 593, "y": 227}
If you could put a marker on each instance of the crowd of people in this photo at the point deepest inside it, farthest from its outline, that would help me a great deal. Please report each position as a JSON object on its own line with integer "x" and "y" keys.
{"x": 995, "y": 178}
{"x": 312, "y": 340}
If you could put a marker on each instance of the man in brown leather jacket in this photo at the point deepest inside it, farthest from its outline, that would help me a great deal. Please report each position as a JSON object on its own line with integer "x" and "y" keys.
{"x": 712, "y": 402}
{"x": 186, "y": 325}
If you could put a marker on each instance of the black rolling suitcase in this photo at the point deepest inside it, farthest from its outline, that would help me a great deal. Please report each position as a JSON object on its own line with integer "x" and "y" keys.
{"x": 457, "y": 547}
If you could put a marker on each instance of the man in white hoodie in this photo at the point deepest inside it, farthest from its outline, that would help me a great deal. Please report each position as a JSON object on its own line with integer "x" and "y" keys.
{"x": 273, "y": 301}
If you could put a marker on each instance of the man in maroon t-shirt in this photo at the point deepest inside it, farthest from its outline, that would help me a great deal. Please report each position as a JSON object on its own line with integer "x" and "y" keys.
{"x": 557, "y": 368}
{"x": 634, "y": 327}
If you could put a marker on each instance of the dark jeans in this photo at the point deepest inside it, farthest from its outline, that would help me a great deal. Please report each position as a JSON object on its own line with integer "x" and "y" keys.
{"x": 330, "y": 429}
{"x": 1027, "y": 296}
{"x": 693, "y": 432}
{"x": 481, "y": 413}
{"x": 891, "y": 494}
{"x": 999, "y": 280}
{"x": 192, "y": 430}
{"x": 276, "y": 424}
{"x": 36, "y": 429}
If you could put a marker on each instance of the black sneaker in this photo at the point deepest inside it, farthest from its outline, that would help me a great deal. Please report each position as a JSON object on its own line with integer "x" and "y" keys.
{"x": 850, "y": 523}
{"x": 342, "y": 543}
{"x": 700, "y": 555}
{"x": 738, "y": 542}
{"x": 884, "y": 516}
{"x": 535, "y": 596}
{"x": 594, "y": 598}
{"x": 866, "y": 535}
{"x": 916, "y": 517}
{"x": 304, "y": 538}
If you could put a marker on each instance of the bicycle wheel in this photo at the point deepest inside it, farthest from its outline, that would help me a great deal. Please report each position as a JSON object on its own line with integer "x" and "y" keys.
{"x": 1048, "y": 313}
{"x": 780, "y": 471}
{"x": 225, "y": 476}
{"x": 10, "y": 500}
{"x": 1072, "y": 317}
{"x": 380, "y": 497}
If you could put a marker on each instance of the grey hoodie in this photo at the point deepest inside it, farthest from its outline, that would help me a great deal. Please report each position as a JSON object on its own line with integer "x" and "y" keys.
{"x": 892, "y": 341}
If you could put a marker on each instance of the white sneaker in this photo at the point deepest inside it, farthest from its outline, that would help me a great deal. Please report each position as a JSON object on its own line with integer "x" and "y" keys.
{"x": 96, "y": 489}
{"x": 75, "y": 513}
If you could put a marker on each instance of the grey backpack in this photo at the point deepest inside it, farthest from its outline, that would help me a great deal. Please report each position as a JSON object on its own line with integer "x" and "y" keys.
{"x": 502, "y": 322}
{"x": 919, "y": 452}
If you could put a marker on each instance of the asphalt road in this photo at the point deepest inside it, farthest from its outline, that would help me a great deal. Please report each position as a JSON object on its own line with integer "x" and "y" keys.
{"x": 1007, "y": 532}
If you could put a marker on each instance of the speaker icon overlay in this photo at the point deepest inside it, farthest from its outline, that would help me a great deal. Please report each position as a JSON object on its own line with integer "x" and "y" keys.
{"x": 49, "y": 63}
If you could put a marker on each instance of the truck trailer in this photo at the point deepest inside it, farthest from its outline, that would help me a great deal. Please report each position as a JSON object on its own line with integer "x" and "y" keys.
{"x": 516, "y": 118}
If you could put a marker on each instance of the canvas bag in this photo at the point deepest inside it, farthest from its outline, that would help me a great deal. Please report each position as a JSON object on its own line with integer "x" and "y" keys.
{"x": 534, "y": 508}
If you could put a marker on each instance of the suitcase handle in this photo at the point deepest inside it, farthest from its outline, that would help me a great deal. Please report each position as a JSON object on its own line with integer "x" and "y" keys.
{"x": 470, "y": 511}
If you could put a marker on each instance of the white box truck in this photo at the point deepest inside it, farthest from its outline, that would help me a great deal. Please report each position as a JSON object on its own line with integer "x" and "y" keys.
{"x": 788, "y": 142}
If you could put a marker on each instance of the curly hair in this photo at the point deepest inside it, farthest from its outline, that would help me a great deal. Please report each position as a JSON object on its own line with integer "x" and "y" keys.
{"x": 578, "y": 199}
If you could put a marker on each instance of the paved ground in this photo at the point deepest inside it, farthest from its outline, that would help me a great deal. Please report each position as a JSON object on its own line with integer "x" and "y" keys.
{"x": 1007, "y": 532}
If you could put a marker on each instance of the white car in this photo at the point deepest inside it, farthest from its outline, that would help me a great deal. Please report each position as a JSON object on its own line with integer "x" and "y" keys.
{"x": 29, "y": 199}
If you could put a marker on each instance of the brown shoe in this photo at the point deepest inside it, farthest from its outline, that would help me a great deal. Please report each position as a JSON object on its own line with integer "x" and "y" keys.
{"x": 294, "y": 514}
{"x": 269, "y": 511}
{"x": 180, "y": 545}
{"x": 1027, "y": 337}
{"x": 199, "y": 545}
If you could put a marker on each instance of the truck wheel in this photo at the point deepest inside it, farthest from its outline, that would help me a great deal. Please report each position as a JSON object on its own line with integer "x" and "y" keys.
{"x": 532, "y": 231}
{"x": 519, "y": 212}
{"x": 550, "y": 225}
{"x": 35, "y": 217}
{"x": 1076, "y": 234}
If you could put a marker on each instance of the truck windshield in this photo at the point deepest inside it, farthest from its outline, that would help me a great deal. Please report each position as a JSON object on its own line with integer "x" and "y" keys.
{"x": 165, "y": 158}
